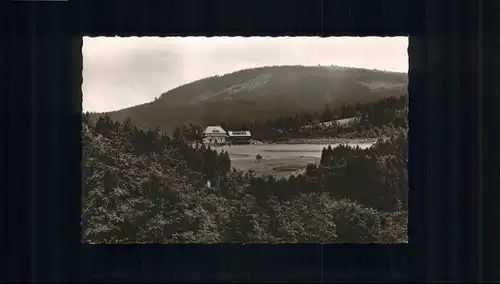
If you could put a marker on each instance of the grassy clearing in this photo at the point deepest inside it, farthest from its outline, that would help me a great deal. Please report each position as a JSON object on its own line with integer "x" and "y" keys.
{"x": 287, "y": 168}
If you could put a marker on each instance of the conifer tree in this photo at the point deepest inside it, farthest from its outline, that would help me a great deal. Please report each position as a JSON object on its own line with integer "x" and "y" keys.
{"x": 326, "y": 115}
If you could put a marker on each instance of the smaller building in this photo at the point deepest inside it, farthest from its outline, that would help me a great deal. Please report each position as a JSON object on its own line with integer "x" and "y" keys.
{"x": 239, "y": 137}
{"x": 214, "y": 135}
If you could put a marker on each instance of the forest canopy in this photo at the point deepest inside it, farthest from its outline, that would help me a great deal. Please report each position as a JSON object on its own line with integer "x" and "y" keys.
{"x": 142, "y": 185}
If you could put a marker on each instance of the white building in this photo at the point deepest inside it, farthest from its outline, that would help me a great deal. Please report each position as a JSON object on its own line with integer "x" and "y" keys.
{"x": 239, "y": 137}
{"x": 214, "y": 135}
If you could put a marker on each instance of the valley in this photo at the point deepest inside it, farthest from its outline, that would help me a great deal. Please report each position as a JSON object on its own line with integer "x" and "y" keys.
{"x": 327, "y": 163}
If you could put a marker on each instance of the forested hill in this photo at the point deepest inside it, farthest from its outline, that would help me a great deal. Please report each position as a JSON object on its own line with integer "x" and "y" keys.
{"x": 263, "y": 93}
{"x": 367, "y": 120}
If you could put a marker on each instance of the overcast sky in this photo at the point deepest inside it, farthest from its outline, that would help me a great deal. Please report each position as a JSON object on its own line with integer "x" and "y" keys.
{"x": 123, "y": 72}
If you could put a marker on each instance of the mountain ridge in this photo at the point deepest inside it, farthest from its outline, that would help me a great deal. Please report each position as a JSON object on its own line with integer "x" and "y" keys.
{"x": 262, "y": 93}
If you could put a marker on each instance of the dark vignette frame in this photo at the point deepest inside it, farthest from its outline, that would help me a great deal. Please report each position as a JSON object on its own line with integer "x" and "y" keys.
{"x": 43, "y": 142}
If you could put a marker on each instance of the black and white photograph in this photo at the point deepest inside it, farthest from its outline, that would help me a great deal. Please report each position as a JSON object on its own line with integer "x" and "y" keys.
{"x": 245, "y": 140}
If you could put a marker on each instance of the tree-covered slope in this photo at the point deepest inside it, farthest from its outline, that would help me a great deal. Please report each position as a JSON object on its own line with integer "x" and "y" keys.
{"x": 261, "y": 93}
{"x": 144, "y": 186}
